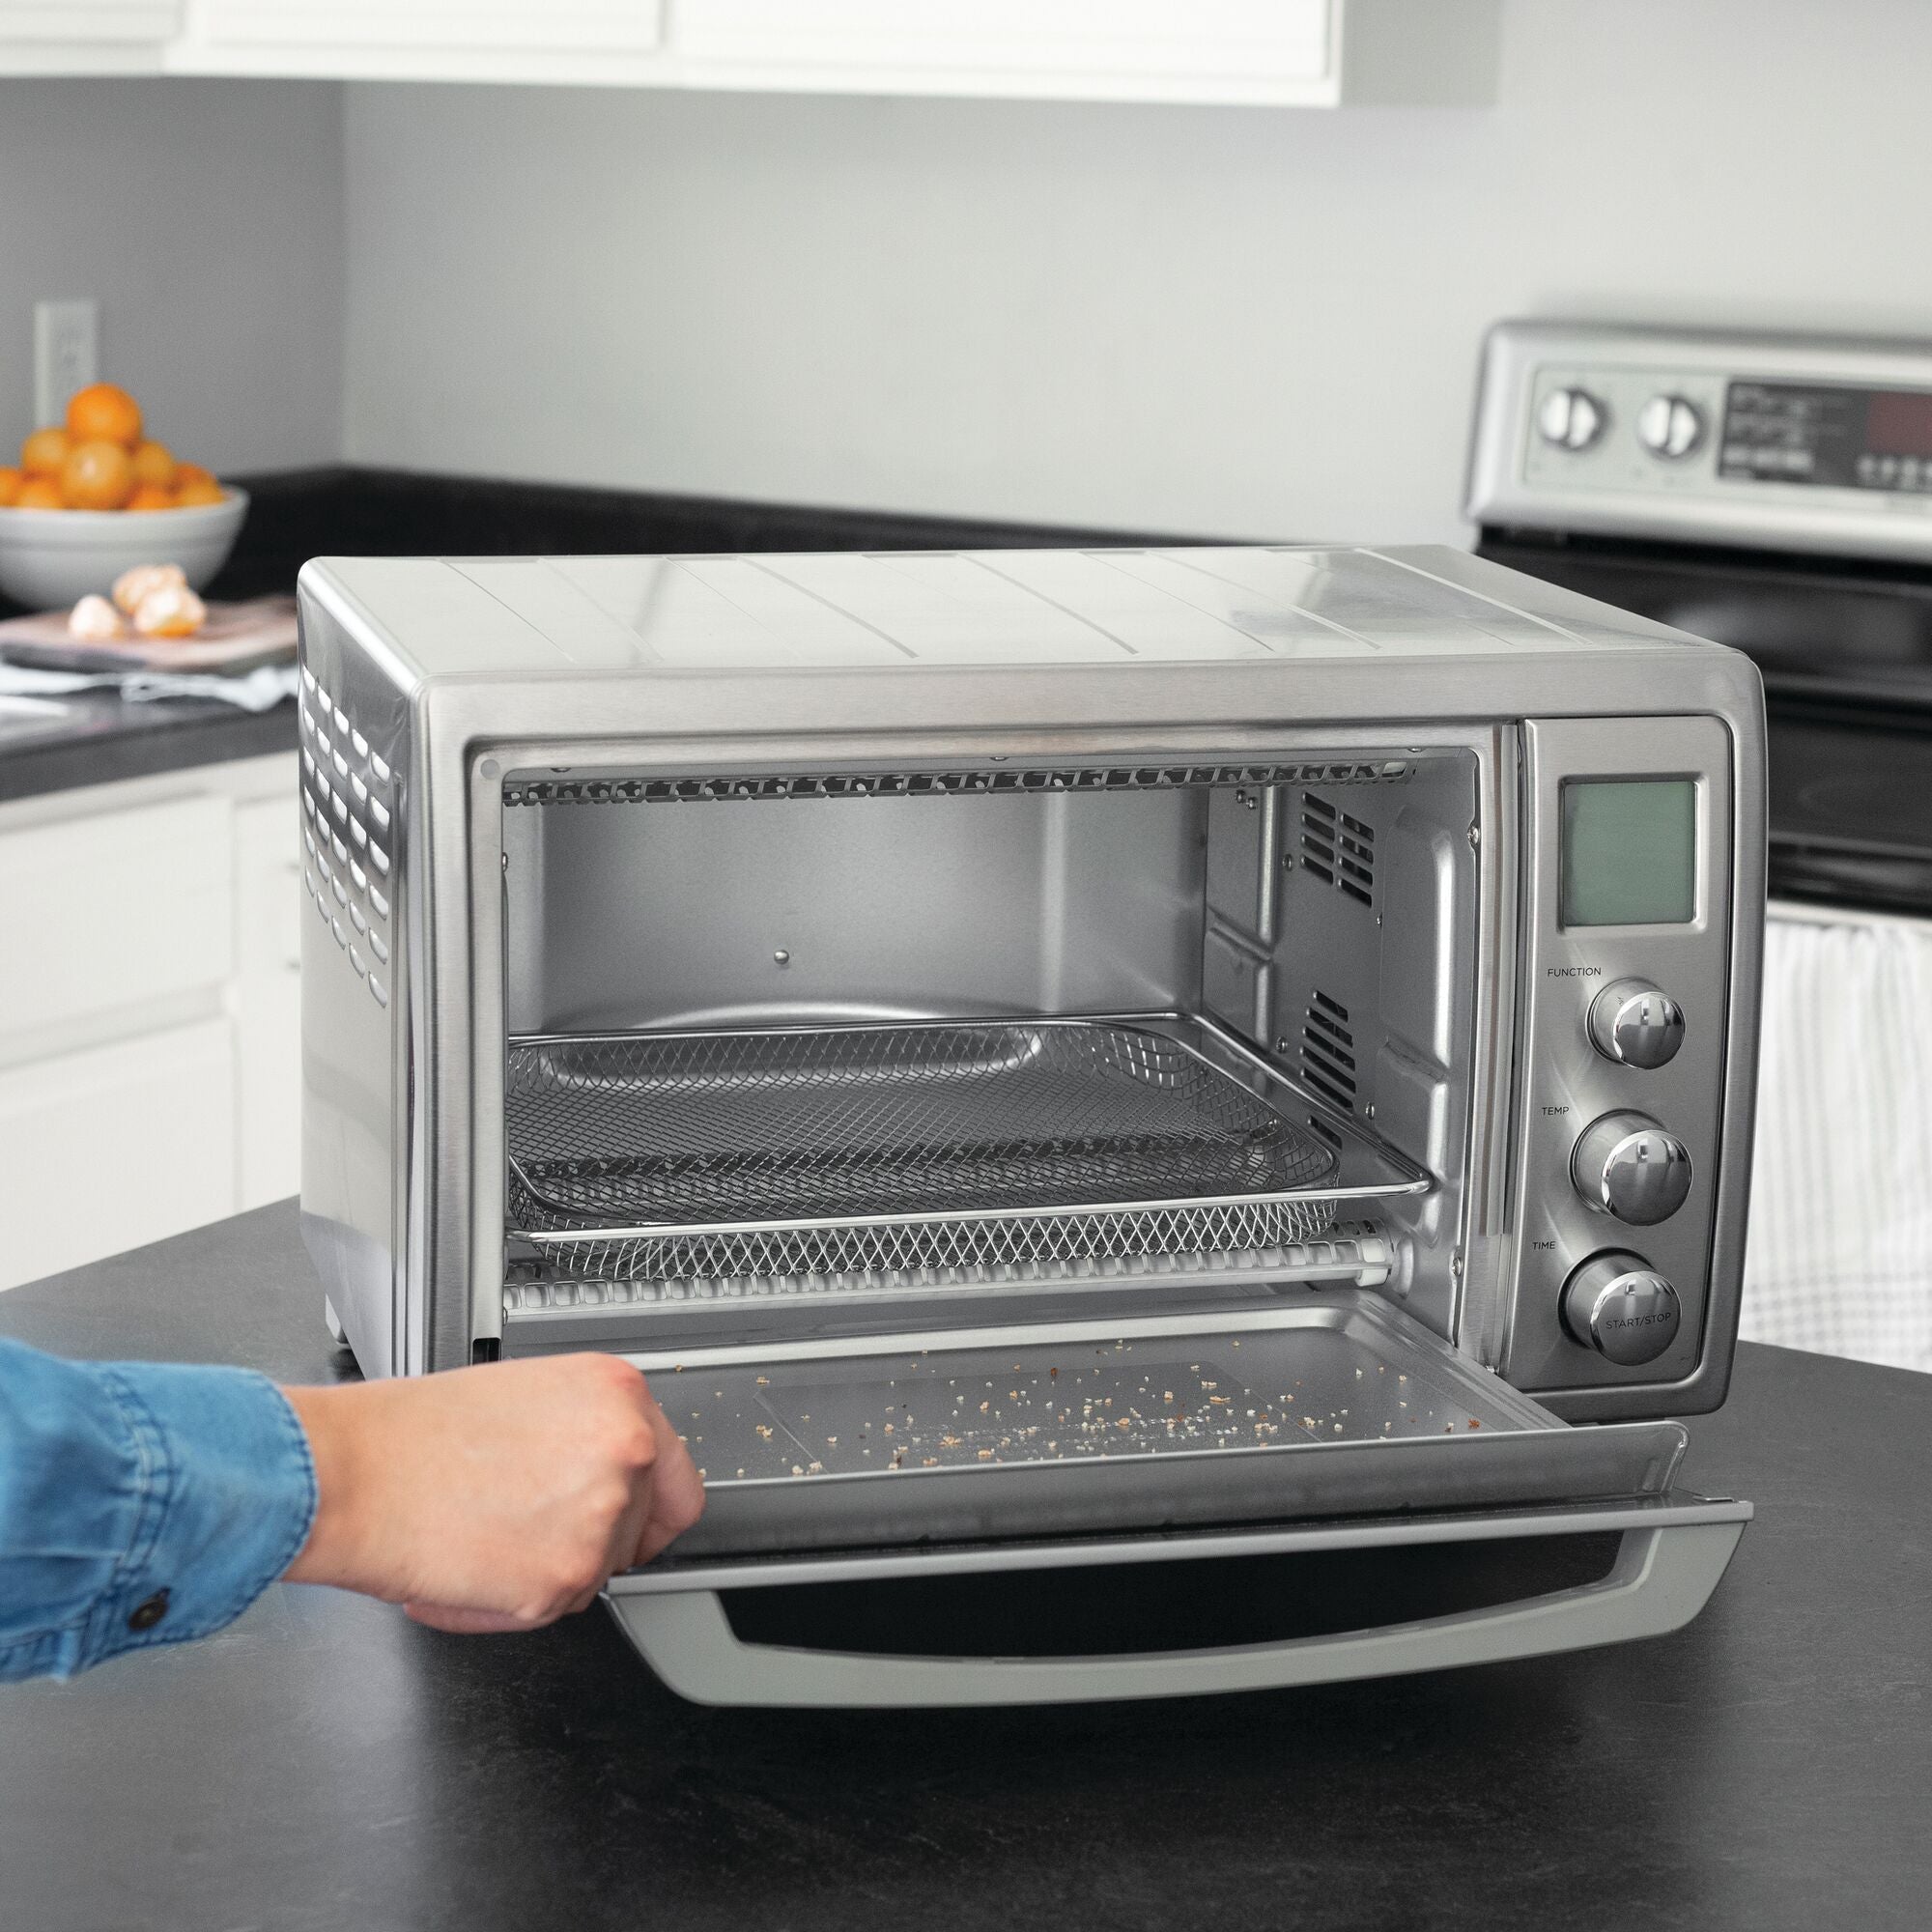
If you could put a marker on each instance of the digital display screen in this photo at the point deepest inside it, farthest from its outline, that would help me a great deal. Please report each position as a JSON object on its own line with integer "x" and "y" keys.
{"x": 1630, "y": 852}
{"x": 1831, "y": 437}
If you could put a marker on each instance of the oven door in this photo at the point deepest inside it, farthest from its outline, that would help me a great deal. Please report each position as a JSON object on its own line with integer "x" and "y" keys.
{"x": 1314, "y": 1489}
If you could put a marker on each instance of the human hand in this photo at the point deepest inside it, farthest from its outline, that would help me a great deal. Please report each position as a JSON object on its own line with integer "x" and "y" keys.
{"x": 493, "y": 1498}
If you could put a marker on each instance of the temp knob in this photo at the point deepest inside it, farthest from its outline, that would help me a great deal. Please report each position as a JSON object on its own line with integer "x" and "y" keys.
{"x": 1570, "y": 419}
{"x": 1635, "y": 1024}
{"x": 1628, "y": 1166}
{"x": 1670, "y": 427}
{"x": 1620, "y": 1306}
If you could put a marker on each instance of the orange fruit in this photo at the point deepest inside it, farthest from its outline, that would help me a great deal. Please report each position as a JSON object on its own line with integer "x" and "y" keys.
{"x": 150, "y": 496}
{"x": 99, "y": 475}
{"x": 199, "y": 489}
{"x": 45, "y": 453}
{"x": 103, "y": 412}
{"x": 40, "y": 492}
{"x": 155, "y": 463}
{"x": 191, "y": 472}
{"x": 10, "y": 488}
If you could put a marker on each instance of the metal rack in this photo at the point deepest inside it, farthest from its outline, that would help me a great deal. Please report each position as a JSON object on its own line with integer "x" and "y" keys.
{"x": 952, "y": 1145}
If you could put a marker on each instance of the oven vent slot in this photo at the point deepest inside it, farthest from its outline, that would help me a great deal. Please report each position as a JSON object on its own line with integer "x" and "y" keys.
{"x": 1338, "y": 849}
{"x": 1329, "y": 1050}
{"x": 952, "y": 783}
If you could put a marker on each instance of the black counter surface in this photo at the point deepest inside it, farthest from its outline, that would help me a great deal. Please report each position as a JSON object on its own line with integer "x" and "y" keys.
{"x": 325, "y": 1763}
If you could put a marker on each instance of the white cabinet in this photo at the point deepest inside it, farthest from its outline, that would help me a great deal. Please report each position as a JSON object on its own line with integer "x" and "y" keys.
{"x": 150, "y": 1010}
{"x": 1311, "y": 53}
{"x": 87, "y": 36}
{"x": 115, "y": 1146}
{"x": 1206, "y": 49}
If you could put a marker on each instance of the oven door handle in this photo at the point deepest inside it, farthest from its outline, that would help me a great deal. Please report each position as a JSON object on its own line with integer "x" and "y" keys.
{"x": 1663, "y": 1576}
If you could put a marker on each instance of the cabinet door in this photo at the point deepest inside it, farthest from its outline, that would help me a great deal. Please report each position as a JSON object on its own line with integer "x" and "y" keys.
{"x": 1151, "y": 49}
{"x": 446, "y": 27}
{"x": 110, "y": 912}
{"x": 114, "y": 1146}
{"x": 267, "y": 999}
{"x": 85, "y": 35}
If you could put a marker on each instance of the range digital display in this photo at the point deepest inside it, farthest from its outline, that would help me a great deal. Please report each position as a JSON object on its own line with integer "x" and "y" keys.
{"x": 1630, "y": 852}
{"x": 1833, "y": 437}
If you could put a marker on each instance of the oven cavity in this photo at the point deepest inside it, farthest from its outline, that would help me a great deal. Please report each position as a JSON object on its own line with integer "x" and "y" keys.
{"x": 1019, "y": 1035}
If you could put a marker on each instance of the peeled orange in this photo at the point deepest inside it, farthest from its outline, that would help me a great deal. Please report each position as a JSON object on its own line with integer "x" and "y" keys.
{"x": 103, "y": 411}
{"x": 155, "y": 463}
{"x": 40, "y": 492}
{"x": 97, "y": 475}
{"x": 10, "y": 488}
{"x": 45, "y": 453}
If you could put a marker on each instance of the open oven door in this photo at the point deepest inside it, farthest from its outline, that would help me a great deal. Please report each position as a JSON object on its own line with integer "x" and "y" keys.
{"x": 1313, "y": 1489}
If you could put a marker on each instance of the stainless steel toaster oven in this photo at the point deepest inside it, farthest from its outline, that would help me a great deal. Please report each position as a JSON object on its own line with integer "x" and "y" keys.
{"x": 1077, "y": 1071}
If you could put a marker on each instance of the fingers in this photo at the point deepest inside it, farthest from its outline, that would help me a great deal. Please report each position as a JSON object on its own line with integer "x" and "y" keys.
{"x": 676, "y": 1491}
{"x": 467, "y": 1623}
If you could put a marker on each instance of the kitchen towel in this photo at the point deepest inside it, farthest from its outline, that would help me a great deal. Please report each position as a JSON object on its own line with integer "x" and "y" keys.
{"x": 1839, "y": 1258}
{"x": 259, "y": 689}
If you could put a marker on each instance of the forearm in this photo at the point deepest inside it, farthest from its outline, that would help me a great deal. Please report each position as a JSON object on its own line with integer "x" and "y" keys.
{"x": 140, "y": 1504}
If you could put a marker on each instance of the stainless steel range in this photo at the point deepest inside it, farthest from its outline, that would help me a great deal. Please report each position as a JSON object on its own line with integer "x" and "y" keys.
{"x": 1060, "y": 1065}
{"x": 1775, "y": 493}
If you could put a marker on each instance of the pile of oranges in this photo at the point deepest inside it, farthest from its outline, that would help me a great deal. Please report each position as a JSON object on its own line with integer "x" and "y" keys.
{"x": 101, "y": 461}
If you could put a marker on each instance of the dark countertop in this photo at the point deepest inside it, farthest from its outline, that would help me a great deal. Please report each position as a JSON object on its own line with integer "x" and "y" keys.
{"x": 325, "y": 1763}
{"x": 354, "y": 512}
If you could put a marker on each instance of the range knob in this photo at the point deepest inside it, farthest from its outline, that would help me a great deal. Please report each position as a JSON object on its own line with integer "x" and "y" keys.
{"x": 1670, "y": 427}
{"x": 1571, "y": 419}
{"x": 1620, "y": 1306}
{"x": 1626, "y": 1165}
{"x": 1635, "y": 1024}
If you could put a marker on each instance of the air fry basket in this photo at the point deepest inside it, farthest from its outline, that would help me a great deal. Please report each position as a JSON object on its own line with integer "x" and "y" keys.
{"x": 949, "y": 1146}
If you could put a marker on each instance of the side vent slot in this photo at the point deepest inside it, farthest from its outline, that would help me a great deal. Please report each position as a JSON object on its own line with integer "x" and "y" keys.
{"x": 1328, "y": 1051}
{"x": 1338, "y": 849}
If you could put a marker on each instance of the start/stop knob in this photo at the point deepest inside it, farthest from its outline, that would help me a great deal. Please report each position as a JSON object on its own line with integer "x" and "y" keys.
{"x": 1626, "y": 1165}
{"x": 1620, "y": 1306}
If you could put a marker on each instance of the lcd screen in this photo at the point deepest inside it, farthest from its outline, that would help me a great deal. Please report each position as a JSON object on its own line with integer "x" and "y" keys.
{"x": 1629, "y": 851}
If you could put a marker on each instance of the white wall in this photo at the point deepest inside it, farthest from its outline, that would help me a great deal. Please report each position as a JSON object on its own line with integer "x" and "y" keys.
{"x": 206, "y": 217}
{"x": 1220, "y": 321}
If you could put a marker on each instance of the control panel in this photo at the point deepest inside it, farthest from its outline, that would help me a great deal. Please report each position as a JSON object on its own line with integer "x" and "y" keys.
{"x": 1793, "y": 442}
{"x": 1627, "y": 838}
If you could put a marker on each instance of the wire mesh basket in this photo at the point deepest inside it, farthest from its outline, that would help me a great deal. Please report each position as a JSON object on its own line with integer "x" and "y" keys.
{"x": 945, "y": 1144}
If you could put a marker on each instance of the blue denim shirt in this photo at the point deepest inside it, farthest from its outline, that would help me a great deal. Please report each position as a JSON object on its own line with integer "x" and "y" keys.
{"x": 140, "y": 1503}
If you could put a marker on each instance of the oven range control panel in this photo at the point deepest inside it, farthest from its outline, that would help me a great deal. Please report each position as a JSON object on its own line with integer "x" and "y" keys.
{"x": 1793, "y": 442}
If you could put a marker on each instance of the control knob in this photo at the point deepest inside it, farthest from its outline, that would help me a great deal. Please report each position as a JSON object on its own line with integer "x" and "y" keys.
{"x": 1620, "y": 1306}
{"x": 1635, "y": 1024}
{"x": 1626, "y": 1165}
{"x": 1571, "y": 419}
{"x": 1670, "y": 427}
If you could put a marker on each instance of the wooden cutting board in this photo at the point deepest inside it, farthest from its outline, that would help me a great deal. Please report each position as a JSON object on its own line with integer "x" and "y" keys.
{"x": 236, "y": 637}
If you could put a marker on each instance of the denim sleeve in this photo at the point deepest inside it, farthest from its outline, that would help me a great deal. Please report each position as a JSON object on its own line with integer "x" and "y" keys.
{"x": 140, "y": 1504}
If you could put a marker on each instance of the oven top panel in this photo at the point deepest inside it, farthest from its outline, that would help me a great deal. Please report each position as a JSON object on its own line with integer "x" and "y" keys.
{"x": 652, "y": 616}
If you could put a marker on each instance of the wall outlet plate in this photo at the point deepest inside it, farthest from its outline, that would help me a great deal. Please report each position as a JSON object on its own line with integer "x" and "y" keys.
{"x": 67, "y": 355}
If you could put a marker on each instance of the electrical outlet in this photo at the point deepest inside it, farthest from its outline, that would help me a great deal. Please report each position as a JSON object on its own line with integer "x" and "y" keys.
{"x": 67, "y": 342}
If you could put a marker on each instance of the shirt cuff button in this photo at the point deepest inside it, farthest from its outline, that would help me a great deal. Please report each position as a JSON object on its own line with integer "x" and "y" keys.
{"x": 146, "y": 1615}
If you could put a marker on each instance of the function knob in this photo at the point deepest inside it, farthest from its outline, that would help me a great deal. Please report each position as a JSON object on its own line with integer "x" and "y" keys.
{"x": 1571, "y": 419}
{"x": 1670, "y": 427}
{"x": 1635, "y": 1024}
{"x": 1620, "y": 1306}
{"x": 1626, "y": 1165}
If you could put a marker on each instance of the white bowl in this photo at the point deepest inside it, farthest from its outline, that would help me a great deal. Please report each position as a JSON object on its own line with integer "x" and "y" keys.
{"x": 50, "y": 558}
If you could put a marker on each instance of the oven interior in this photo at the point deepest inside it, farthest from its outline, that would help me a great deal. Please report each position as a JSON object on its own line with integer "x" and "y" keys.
{"x": 1065, "y": 1124}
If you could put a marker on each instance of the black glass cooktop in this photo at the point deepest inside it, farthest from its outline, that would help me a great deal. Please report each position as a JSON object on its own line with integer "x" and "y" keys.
{"x": 1846, "y": 652}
